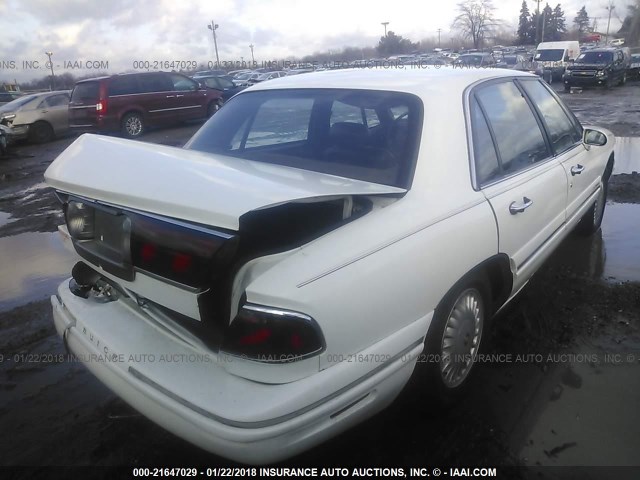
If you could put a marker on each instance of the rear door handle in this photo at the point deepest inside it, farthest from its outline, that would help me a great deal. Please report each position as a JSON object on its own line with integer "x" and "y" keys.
{"x": 178, "y": 96}
{"x": 576, "y": 170}
{"x": 516, "y": 208}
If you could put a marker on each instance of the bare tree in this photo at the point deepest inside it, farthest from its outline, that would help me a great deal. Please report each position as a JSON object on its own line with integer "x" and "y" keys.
{"x": 475, "y": 20}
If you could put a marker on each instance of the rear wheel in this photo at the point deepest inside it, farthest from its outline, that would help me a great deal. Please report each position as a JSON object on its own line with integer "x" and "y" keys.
{"x": 455, "y": 338}
{"x": 623, "y": 80}
{"x": 3, "y": 144}
{"x": 132, "y": 125}
{"x": 592, "y": 219}
{"x": 41, "y": 132}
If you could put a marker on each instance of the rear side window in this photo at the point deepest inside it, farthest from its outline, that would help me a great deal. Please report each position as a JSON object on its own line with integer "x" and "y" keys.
{"x": 484, "y": 152}
{"x": 55, "y": 101}
{"x": 562, "y": 131}
{"x": 154, "y": 82}
{"x": 86, "y": 92}
{"x": 125, "y": 85}
{"x": 518, "y": 137}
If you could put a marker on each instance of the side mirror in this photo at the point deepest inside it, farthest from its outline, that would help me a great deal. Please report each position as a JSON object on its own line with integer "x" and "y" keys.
{"x": 594, "y": 137}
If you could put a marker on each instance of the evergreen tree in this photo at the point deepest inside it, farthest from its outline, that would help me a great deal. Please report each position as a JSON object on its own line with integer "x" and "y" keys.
{"x": 582, "y": 20}
{"x": 547, "y": 18}
{"x": 560, "y": 21}
{"x": 524, "y": 25}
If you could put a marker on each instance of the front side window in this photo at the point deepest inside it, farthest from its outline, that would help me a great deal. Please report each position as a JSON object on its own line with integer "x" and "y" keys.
{"x": 182, "y": 84}
{"x": 562, "y": 131}
{"x": 360, "y": 134}
{"x": 518, "y": 137}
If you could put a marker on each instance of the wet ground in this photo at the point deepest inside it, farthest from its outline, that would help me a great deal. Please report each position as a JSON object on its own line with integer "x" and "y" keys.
{"x": 559, "y": 385}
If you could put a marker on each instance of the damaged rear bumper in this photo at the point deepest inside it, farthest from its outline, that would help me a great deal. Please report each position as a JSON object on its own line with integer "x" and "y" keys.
{"x": 188, "y": 391}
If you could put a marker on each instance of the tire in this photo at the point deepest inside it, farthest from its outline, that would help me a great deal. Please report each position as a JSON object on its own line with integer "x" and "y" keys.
{"x": 459, "y": 324}
{"x": 608, "y": 84}
{"x": 623, "y": 79}
{"x": 592, "y": 219}
{"x": 214, "y": 107}
{"x": 41, "y": 132}
{"x": 3, "y": 145}
{"x": 567, "y": 88}
{"x": 132, "y": 125}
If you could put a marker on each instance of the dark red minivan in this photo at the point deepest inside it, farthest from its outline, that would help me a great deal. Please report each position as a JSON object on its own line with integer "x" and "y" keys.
{"x": 131, "y": 102}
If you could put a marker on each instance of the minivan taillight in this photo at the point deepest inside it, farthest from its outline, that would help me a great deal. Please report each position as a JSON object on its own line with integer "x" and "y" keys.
{"x": 101, "y": 107}
{"x": 272, "y": 335}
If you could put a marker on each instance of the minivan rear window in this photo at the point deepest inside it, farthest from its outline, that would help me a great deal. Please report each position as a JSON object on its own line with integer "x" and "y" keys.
{"x": 125, "y": 85}
{"x": 85, "y": 91}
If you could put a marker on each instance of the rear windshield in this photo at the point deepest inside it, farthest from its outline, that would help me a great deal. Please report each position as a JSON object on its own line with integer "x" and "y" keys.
{"x": 361, "y": 134}
{"x": 595, "y": 57}
{"x": 19, "y": 102}
{"x": 85, "y": 91}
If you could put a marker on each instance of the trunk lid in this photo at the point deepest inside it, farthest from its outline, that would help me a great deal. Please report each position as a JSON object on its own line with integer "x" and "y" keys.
{"x": 189, "y": 185}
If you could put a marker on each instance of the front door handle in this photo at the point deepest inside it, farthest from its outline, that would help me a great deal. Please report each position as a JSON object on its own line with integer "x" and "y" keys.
{"x": 576, "y": 170}
{"x": 516, "y": 208}
{"x": 171, "y": 96}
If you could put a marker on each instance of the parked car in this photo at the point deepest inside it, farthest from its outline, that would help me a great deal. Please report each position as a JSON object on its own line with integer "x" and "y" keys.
{"x": 38, "y": 117}
{"x": 475, "y": 60}
{"x": 598, "y": 67}
{"x": 552, "y": 58}
{"x": 208, "y": 73}
{"x": 242, "y": 79}
{"x": 309, "y": 247}
{"x": 634, "y": 67}
{"x": 514, "y": 62}
{"x": 6, "y": 97}
{"x": 226, "y": 86}
{"x": 132, "y": 102}
{"x": 266, "y": 76}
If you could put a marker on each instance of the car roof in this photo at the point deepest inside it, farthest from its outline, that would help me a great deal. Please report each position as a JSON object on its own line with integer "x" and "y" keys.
{"x": 416, "y": 81}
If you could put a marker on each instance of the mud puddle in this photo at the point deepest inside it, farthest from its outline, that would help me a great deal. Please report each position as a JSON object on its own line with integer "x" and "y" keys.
{"x": 31, "y": 266}
{"x": 611, "y": 254}
{"x": 627, "y": 155}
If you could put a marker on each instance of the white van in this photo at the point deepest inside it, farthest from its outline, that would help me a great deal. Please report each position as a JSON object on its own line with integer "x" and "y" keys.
{"x": 554, "y": 57}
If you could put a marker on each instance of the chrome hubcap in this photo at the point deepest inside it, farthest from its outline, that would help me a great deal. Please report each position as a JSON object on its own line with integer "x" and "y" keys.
{"x": 133, "y": 126}
{"x": 461, "y": 338}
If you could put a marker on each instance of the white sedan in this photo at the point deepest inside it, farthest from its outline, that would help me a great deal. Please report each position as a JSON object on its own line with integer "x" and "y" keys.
{"x": 279, "y": 279}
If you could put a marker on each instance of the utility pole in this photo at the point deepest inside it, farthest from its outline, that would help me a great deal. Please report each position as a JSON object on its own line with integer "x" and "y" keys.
{"x": 213, "y": 27}
{"x": 53, "y": 78}
{"x": 538, "y": 22}
{"x": 439, "y": 30}
{"x": 253, "y": 60}
{"x": 385, "y": 27}
{"x": 543, "y": 22}
{"x": 611, "y": 8}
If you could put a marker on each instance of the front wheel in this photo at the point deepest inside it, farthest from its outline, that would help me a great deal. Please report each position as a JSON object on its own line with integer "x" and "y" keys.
{"x": 132, "y": 125}
{"x": 214, "y": 107}
{"x": 41, "y": 132}
{"x": 455, "y": 337}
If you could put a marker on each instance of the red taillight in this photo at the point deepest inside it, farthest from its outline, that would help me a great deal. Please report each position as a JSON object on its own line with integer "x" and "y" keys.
{"x": 272, "y": 335}
{"x": 148, "y": 252}
{"x": 255, "y": 338}
{"x": 181, "y": 262}
{"x": 101, "y": 107}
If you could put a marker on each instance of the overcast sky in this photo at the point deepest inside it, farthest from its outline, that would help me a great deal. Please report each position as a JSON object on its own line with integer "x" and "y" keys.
{"x": 123, "y": 31}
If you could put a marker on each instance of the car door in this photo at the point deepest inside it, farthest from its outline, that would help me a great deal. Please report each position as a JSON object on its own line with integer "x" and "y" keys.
{"x": 55, "y": 110}
{"x": 191, "y": 101}
{"x": 514, "y": 167}
{"x": 156, "y": 98}
{"x": 582, "y": 165}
